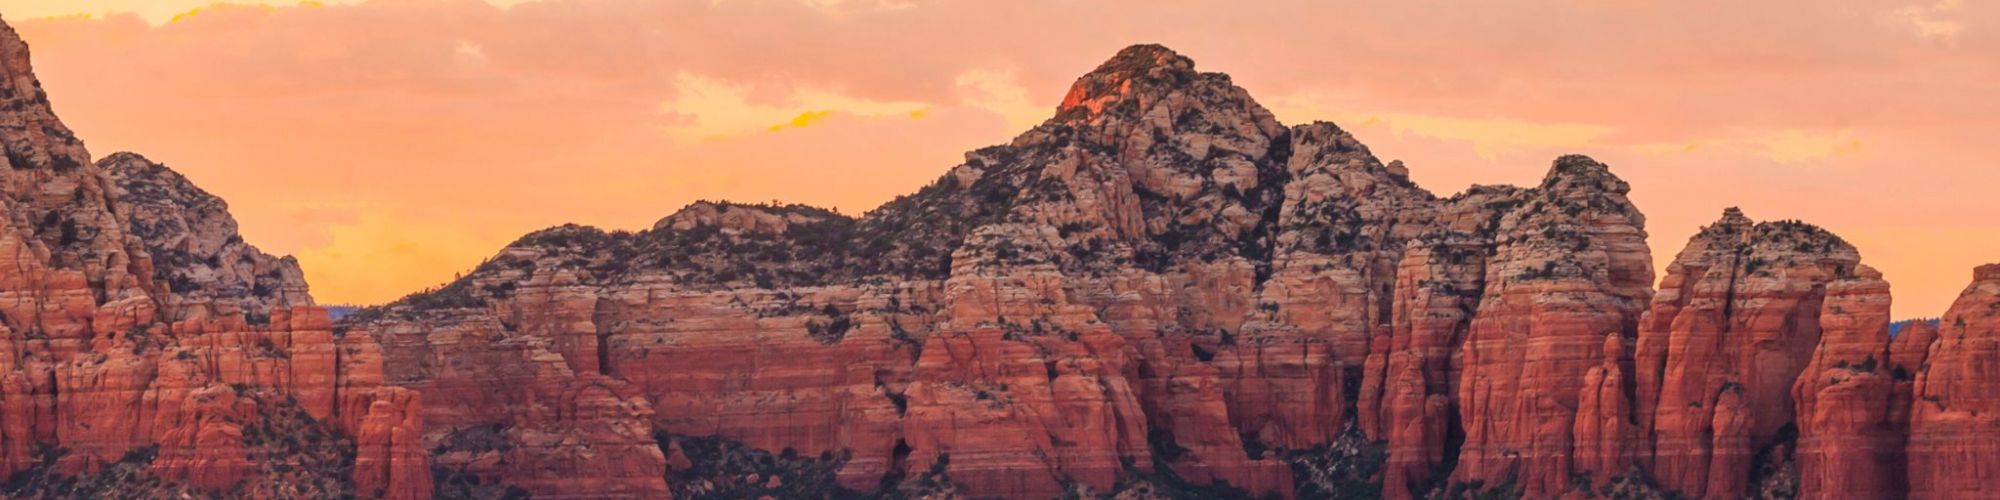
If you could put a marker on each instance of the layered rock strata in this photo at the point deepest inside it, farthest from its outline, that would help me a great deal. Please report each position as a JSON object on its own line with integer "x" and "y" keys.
{"x": 1765, "y": 364}
{"x": 141, "y": 339}
{"x": 1955, "y": 406}
{"x": 1161, "y": 291}
{"x": 1161, "y": 281}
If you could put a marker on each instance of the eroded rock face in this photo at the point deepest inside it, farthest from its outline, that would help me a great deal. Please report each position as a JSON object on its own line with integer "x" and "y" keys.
{"x": 1161, "y": 285}
{"x": 1161, "y": 291}
{"x": 1409, "y": 392}
{"x": 145, "y": 348}
{"x": 1568, "y": 268}
{"x": 1957, "y": 398}
{"x": 203, "y": 265}
{"x": 1768, "y": 345}
{"x": 1849, "y": 444}
{"x": 1446, "y": 380}
{"x": 1908, "y": 353}
{"x": 1047, "y": 292}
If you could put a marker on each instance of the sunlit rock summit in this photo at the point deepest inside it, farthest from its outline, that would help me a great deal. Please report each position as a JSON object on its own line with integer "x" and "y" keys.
{"x": 1160, "y": 292}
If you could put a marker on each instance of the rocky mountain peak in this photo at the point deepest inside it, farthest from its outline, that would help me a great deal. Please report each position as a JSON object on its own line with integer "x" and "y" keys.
{"x": 1194, "y": 289}
{"x": 29, "y": 131}
{"x": 1579, "y": 174}
{"x": 1142, "y": 58}
{"x": 1798, "y": 300}
{"x": 1325, "y": 145}
{"x": 733, "y": 217}
{"x": 1733, "y": 216}
{"x": 1125, "y": 75}
{"x": 1732, "y": 227}
{"x": 1988, "y": 272}
{"x": 149, "y": 180}
{"x": 58, "y": 204}
{"x": 1774, "y": 241}
{"x": 1804, "y": 238}
{"x": 195, "y": 246}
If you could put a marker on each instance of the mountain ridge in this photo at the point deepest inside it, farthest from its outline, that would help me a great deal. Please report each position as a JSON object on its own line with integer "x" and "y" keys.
{"x": 1153, "y": 184}
{"x": 1161, "y": 291}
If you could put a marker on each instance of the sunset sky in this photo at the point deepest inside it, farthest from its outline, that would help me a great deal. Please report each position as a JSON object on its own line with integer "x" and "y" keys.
{"x": 392, "y": 143}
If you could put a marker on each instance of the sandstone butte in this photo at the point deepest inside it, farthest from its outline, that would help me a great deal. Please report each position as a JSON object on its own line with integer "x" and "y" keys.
{"x": 1161, "y": 292}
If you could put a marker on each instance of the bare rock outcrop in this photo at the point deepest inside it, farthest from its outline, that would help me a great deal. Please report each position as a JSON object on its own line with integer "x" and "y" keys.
{"x": 1849, "y": 445}
{"x": 1161, "y": 291}
{"x": 206, "y": 268}
{"x": 145, "y": 349}
{"x": 1766, "y": 350}
{"x": 1161, "y": 285}
{"x": 1957, "y": 398}
{"x": 1569, "y": 267}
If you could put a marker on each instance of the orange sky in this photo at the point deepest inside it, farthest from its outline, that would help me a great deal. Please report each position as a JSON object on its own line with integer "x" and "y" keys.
{"x": 391, "y": 143}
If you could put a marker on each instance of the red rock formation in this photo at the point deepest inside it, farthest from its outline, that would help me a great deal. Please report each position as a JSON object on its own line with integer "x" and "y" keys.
{"x": 1344, "y": 224}
{"x": 1908, "y": 353}
{"x": 587, "y": 432}
{"x": 1952, "y": 446}
{"x": 1569, "y": 267}
{"x": 1848, "y": 444}
{"x": 1161, "y": 282}
{"x": 1418, "y": 375}
{"x": 142, "y": 334}
{"x": 1078, "y": 275}
{"x": 1408, "y": 397}
{"x": 1606, "y": 436}
{"x": 252, "y": 311}
{"x": 1767, "y": 336}
{"x": 1161, "y": 290}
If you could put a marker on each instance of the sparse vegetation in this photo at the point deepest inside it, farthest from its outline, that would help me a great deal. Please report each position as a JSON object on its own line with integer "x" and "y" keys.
{"x": 725, "y": 469}
{"x": 832, "y": 329}
{"x": 293, "y": 456}
{"x": 1348, "y": 468}
{"x": 1774, "y": 474}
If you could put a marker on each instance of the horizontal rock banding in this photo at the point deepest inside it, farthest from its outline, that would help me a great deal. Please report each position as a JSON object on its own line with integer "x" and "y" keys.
{"x": 1160, "y": 291}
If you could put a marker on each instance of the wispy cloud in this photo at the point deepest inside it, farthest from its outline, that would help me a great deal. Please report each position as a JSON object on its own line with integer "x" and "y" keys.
{"x": 707, "y": 109}
{"x": 1934, "y": 20}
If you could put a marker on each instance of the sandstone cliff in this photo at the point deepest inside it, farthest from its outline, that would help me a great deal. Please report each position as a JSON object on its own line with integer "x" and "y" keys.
{"x": 1951, "y": 440}
{"x": 146, "y": 350}
{"x": 1162, "y": 290}
{"x": 1763, "y": 367}
{"x": 1159, "y": 287}
{"x": 1159, "y": 292}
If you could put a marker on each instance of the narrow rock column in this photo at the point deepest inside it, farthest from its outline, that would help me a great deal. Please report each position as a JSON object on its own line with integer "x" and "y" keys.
{"x": 1846, "y": 439}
